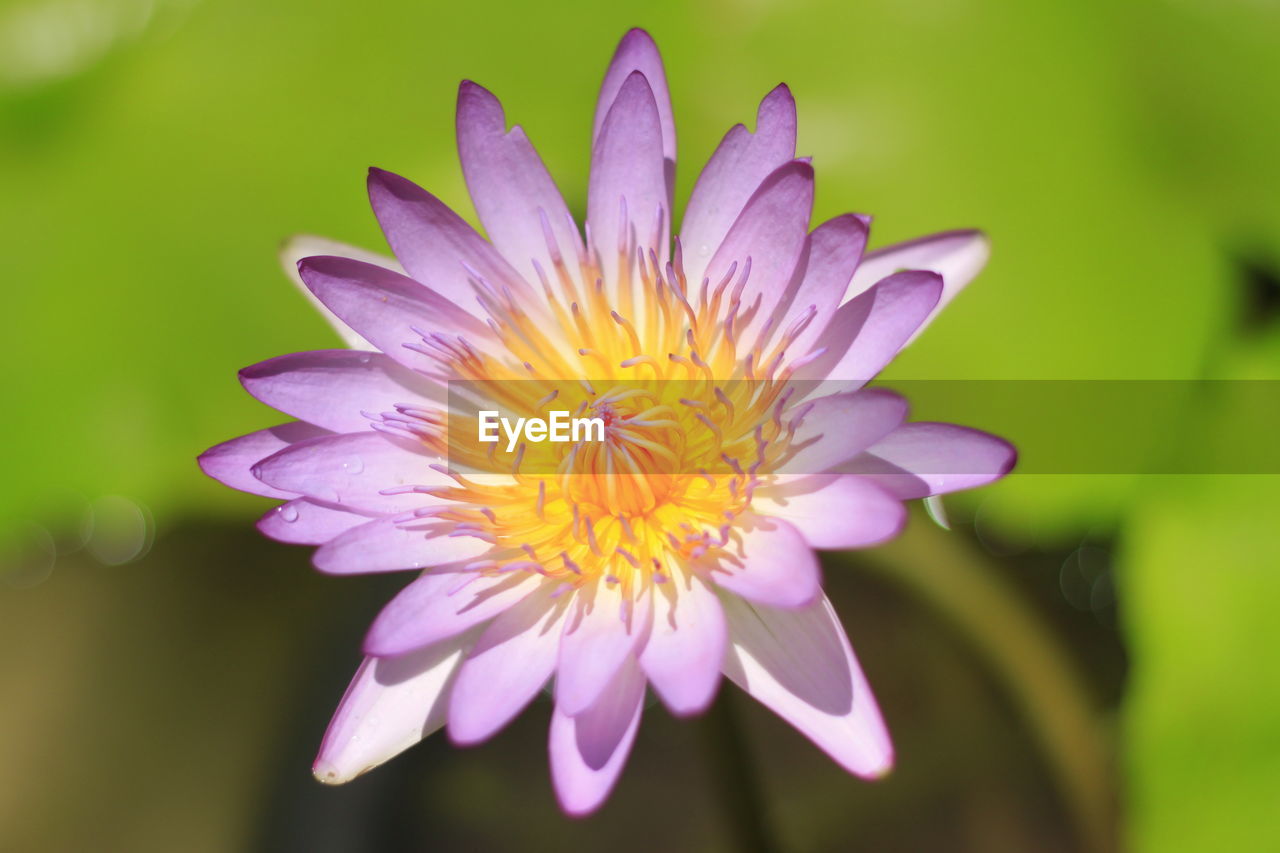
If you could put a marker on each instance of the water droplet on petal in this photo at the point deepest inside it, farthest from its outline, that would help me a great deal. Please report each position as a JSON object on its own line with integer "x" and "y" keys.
{"x": 289, "y": 513}
{"x": 354, "y": 465}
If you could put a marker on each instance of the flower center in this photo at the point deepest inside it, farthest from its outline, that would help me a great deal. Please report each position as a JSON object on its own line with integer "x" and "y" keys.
{"x": 691, "y": 389}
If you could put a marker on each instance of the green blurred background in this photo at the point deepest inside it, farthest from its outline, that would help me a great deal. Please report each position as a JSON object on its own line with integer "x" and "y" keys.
{"x": 1083, "y": 662}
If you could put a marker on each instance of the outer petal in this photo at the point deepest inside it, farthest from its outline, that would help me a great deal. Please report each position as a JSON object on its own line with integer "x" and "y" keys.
{"x": 957, "y": 256}
{"x": 830, "y": 256}
{"x": 637, "y": 52}
{"x": 330, "y": 388}
{"x": 438, "y": 606}
{"x": 304, "y": 246}
{"x": 627, "y": 176}
{"x": 390, "y": 706}
{"x": 436, "y": 245}
{"x": 798, "y": 663}
{"x": 512, "y": 660}
{"x": 231, "y": 463}
{"x": 921, "y": 459}
{"x": 306, "y": 522}
{"x": 589, "y": 749}
{"x": 869, "y": 330}
{"x": 600, "y": 633}
{"x": 770, "y": 235}
{"x": 837, "y": 427}
{"x": 836, "y": 511}
{"x": 385, "y": 307}
{"x": 734, "y": 172}
{"x": 776, "y": 566}
{"x": 352, "y": 470}
{"x": 392, "y": 543}
{"x": 685, "y": 652}
{"x": 514, "y": 195}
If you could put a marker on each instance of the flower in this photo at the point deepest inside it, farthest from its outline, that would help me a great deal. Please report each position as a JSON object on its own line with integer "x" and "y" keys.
{"x": 680, "y": 547}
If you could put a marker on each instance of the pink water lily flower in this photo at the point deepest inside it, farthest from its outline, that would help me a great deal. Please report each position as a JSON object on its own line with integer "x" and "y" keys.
{"x": 679, "y": 548}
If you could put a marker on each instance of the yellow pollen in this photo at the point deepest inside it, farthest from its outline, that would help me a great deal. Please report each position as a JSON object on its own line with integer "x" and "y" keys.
{"x": 693, "y": 421}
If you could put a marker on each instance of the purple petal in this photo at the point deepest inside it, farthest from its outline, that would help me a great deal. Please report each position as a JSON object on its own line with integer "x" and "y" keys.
{"x": 231, "y": 463}
{"x": 770, "y": 232}
{"x": 353, "y": 470}
{"x": 330, "y": 388}
{"x": 637, "y": 52}
{"x": 776, "y": 567}
{"x": 385, "y": 307}
{"x": 869, "y": 330}
{"x": 736, "y": 169}
{"x": 826, "y": 265}
{"x": 510, "y": 663}
{"x": 798, "y": 663}
{"x": 436, "y": 246}
{"x": 600, "y": 634}
{"x": 921, "y": 459}
{"x": 842, "y": 511}
{"x": 685, "y": 651}
{"x": 389, "y": 545}
{"x": 589, "y": 749}
{"x": 390, "y": 706}
{"x": 304, "y": 246}
{"x": 307, "y": 522}
{"x": 838, "y": 427}
{"x": 957, "y": 256}
{"x": 514, "y": 195}
{"x": 627, "y": 169}
{"x": 437, "y": 606}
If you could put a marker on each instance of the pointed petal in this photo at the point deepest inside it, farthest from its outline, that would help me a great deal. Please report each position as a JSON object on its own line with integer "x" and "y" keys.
{"x": 353, "y": 470}
{"x": 514, "y": 195}
{"x": 843, "y": 511}
{"x": 798, "y": 663}
{"x": 306, "y": 245}
{"x": 736, "y": 169}
{"x": 510, "y": 663}
{"x": 826, "y": 265}
{"x": 776, "y": 566}
{"x": 393, "y": 543}
{"x": 436, "y": 246}
{"x": 600, "y": 634}
{"x": 869, "y": 330}
{"x": 770, "y": 234}
{"x": 306, "y": 522}
{"x": 330, "y": 388}
{"x": 437, "y": 606}
{"x": 231, "y": 463}
{"x": 921, "y": 459}
{"x": 392, "y": 704}
{"x": 385, "y": 307}
{"x": 627, "y": 174}
{"x": 685, "y": 651}
{"x": 957, "y": 256}
{"x": 838, "y": 427}
{"x": 637, "y": 52}
{"x": 588, "y": 750}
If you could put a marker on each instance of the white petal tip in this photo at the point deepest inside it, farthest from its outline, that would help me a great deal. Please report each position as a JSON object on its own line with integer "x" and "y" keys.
{"x": 875, "y": 774}
{"x": 874, "y": 769}
{"x": 327, "y": 774}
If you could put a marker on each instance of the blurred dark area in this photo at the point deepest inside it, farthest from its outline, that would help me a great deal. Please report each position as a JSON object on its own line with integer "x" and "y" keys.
{"x": 184, "y": 696}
